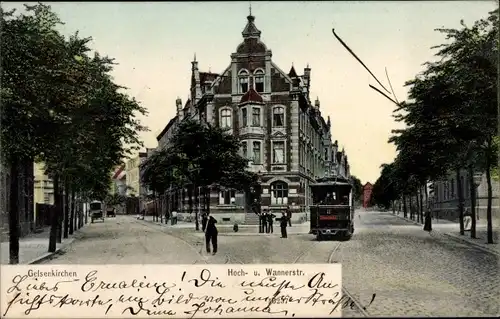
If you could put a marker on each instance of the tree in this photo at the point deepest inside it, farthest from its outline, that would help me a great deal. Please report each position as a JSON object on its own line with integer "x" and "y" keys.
{"x": 357, "y": 188}
{"x": 200, "y": 155}
{"x": 61, "y": 107}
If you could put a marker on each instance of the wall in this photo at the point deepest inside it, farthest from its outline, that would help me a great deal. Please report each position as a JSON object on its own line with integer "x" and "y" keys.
{"x": 446, "y": 198}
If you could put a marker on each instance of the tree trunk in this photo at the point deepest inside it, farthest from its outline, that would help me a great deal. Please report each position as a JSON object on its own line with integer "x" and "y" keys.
{"x": 405, "y": 209}
{"x": 14, "y": 213}
{"x": 207, "y": 199}
{"x": 411, "y": 206}
{"x": 490, "y": 199}
{"x": 426, "y": 195}
{"x": 60, "y": 214}
{"x": 66, "y": 210}
{"x": 394, "y": 207}
{"x": 422, "y": 204}
{"x": 72, "y": 218}
{"x": 417, "y": 198}
{"x": 473, "y": 195}
{"x": 54, "y": 227}
{"x": 196, "y": 191}
{"x": 460, "y": 201}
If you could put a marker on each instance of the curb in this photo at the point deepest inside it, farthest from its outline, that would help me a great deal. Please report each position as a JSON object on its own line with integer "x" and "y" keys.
{"x": 457, "y": 238}
{"x": 471, "y": 243}
{"x": 46, "y": 256}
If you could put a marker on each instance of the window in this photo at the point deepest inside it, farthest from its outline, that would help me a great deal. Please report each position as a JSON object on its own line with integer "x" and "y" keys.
{"x": 225, "y": 118}
{"x": 259, "y": 81}
{"x": 227, "y": 197}
{"x": 255, "y": 116}
{"x": 278, "y": 116}
{"x": 279, "y": 193}
{"x": 244, "y": 149}
{"x": 279, "y": 152}
{"x": 244, "y": 117}
{"x": 46, "y": 198}
{"x": 243, "y": 78}
{"x": 326, "y": 154}
{"x": 256, "y": 153}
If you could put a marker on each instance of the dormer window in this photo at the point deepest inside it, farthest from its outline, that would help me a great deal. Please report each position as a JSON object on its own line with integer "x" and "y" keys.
{"x": 259, "y": 80}
{"x": 243, "y": 81}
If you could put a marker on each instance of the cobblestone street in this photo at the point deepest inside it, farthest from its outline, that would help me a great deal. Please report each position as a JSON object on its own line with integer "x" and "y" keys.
{"x": 412, "y": 273}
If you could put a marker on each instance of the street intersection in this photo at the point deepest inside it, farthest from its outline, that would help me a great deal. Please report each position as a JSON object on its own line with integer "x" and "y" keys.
{"x": 412, "y": 272}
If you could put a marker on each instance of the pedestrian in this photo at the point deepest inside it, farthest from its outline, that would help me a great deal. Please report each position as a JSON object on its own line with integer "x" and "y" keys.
{"x": 263, "y": 218}
{"x": 289, "y": 216}
{"x": 270, "y": 218}
{"x": 204, "y": 221}
{"x": 428, "y": 220}
{"x": 467, "y": 220}
{"x": 283, "y": 223}
{"x": 174, "y": 217}
{"x": 211, "y": 234}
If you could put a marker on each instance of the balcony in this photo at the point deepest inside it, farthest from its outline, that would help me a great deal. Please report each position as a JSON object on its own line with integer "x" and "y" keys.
{"x": 252, "y": 130}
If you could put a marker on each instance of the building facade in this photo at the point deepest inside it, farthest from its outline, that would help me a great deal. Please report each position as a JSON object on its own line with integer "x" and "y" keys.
{"x": 43, "y": 188}
{"x": 132, "y": 171}
{"x": 445, "y": 197}
{"x": 283, "y": 133}
{"x": 25, "y": 199}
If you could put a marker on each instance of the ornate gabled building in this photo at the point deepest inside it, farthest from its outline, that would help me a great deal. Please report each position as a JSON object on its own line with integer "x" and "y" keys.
{"x": 284, "y": 136}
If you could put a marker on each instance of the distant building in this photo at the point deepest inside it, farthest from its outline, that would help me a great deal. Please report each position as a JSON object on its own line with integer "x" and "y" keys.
{"x": 44, "y": 188}
{"x": 119, "y": 181}
{"x": 367, "y": 194}
{"x": 133, "y": 179}
{"x": 287, "y": 141}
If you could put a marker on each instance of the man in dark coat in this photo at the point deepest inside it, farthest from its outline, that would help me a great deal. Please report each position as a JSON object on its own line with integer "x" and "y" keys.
{"x": 289, "y": 216}
{"x": 283, "y": 223}
{"x": 211, "y": 234}
{"x": 428, "y": 220}
{"x": 263, "y": 221}
{"x": 270, "y": 218}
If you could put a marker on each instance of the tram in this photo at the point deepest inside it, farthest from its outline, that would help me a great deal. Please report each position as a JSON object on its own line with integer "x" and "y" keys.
{"x": 332, "y": 210}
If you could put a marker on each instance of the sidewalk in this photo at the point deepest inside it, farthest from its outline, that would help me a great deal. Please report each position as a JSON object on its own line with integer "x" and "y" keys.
{"x": 452, "y": 230}
{"x": 33, "y": 248}
{"x": 243, "y": 230}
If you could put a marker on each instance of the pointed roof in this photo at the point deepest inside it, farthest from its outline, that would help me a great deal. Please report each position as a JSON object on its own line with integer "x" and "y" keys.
{"x": 251, "y": 30}
{"x": 292, "y": 72}
{"x": 251, "y": 96}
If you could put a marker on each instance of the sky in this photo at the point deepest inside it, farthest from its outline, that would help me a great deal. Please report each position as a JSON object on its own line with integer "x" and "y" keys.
{"x": 154, "y": 44}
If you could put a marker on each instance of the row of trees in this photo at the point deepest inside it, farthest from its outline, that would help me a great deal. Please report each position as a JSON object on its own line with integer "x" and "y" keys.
{"x": 61, "y": 107}
{"x": 451, "y": 123}
{"x": 199, "y": 157}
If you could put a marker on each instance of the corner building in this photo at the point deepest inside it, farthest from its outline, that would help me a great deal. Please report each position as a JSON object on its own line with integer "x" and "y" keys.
{"x": 285, "y": 138}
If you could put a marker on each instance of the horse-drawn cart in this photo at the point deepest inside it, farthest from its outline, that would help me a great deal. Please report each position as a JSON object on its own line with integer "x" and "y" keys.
{"x": 96, "y": 211}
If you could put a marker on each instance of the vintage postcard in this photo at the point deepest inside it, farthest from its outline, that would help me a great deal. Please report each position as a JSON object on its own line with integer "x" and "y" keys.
{"x": 249, "y": 159}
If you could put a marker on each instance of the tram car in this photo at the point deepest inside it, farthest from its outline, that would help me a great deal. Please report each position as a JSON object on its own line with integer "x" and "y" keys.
{"x": 332, "y": 210}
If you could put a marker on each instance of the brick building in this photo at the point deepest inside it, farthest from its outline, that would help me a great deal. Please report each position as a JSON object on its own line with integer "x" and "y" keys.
{"x": 284, "y": 136}
{"x": 367, "y": 194}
